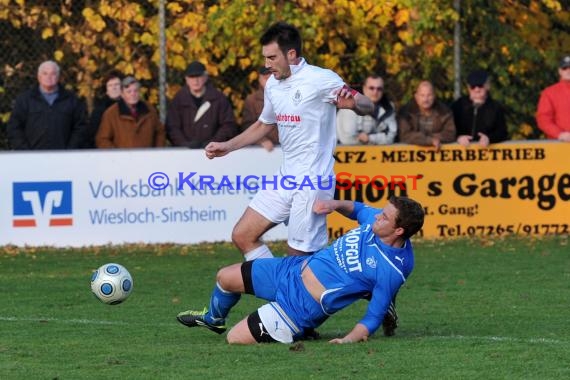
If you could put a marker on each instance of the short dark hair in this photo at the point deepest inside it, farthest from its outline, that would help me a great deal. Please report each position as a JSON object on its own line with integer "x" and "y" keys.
{"x": 286, "y": 35}
{"x": 372, "y": 76}
{"x": 410, "y": 215}
{"x": 112, "y": 75}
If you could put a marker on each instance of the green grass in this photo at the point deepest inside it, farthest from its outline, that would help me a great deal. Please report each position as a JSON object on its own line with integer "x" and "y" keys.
{"x": 471, "y": 310}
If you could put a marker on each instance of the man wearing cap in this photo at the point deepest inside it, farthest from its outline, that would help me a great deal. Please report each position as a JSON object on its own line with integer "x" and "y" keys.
{"x": 478, "y": 117}
{"x": 553, "y": 113}
{"x": 131, "y": 122}
{"x": 254, "y": 105}
{"x": 199, "y": 113}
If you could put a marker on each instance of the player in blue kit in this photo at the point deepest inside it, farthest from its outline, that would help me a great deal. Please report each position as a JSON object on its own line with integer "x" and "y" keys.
{"x": 371, "y": 262}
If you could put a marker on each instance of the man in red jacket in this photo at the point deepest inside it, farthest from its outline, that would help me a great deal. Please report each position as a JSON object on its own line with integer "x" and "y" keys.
{"x": 553, "y": 113}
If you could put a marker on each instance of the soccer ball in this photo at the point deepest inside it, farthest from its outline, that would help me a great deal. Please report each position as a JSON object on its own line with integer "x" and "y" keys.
{"x": 111, "y": 283}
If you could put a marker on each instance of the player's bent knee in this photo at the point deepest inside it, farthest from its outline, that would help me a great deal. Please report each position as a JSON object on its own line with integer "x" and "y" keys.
{"x": 222, "y": 275}
{"x": 240, "y": 334}
{"x": 230, "y": 278}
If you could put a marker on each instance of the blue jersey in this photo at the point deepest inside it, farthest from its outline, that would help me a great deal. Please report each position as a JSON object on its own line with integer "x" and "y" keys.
{"x": 359, "y": 265}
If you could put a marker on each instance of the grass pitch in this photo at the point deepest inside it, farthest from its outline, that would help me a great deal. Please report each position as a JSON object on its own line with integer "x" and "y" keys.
{"x": 471, "y": 310}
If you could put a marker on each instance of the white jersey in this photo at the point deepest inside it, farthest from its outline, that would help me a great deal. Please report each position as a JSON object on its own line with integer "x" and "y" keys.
{"x": 303, "y": 108}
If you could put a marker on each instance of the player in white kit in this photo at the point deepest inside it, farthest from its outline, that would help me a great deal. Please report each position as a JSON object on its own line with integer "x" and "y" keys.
{"x": 370, "y": 262}
{"x": 301, "y": 101}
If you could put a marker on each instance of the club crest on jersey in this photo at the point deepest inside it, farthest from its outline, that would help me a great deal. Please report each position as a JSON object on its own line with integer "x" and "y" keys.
{"x": 371, "y": 262}
{"x": 297, "y": 98}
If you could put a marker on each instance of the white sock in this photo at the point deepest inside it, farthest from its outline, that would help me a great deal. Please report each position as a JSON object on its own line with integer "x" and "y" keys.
{"x": 261, "y": 252}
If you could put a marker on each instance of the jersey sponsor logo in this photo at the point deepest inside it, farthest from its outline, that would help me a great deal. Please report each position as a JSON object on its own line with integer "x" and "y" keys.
{"x": 352, "y": 251}
{"x": 297, "y": 98}
{"x": 42, "y": 204}
{"x": 288, "y": 118}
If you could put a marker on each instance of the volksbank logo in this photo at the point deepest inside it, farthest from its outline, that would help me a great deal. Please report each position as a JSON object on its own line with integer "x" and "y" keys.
{"x": 42, "y": 204}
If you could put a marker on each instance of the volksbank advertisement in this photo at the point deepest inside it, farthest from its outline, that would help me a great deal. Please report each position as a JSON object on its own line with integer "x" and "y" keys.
{"x": 127, "y": 196}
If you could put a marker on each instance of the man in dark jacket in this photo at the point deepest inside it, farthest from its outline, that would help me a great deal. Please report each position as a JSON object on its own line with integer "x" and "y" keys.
{"x": 478, "y": 117}
{"x": 199, "y": 113}
{"x": 47, "y": 116}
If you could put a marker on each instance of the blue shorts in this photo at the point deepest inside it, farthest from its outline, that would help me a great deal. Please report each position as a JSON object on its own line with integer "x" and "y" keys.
{"x": 279, "y": 280}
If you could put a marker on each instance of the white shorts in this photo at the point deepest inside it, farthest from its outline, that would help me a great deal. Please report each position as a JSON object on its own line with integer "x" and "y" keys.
{"x": 307, "y": 231}
{"x": 277, "y": 323}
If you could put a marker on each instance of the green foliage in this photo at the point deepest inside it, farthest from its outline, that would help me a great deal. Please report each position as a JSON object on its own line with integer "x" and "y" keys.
{"x": 472, "y": 309}
{"x": 519, "y": 42}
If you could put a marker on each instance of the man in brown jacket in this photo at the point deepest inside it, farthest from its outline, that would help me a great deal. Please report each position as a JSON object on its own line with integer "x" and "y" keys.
{"x": 199, "y": 113}
{"x": 131, "y": 123}
{"x": 425, "y": 120}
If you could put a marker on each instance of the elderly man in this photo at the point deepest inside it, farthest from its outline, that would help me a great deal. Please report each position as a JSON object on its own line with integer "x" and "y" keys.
{"x": 425, "y": 120}
{"x": 478, "y": 117}
{"x": 199, "y": 113}
{"x": 47, "y": 116}
{"x": 131, "y": 122}
{"x": 379, "y": 128}
{"x": 553, "y": 113}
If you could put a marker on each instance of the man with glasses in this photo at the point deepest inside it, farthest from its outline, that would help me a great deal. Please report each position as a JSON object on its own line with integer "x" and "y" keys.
{"x": 478, "y": 117}
{"x": 376, "y": 129}
{"x": 553, "y": 113}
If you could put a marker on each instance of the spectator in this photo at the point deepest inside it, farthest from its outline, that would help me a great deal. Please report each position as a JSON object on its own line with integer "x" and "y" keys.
{"x": 47, "y": 116}
{"x": 478, "y": 117}
{"x": 425, "y": 120}
{"x": 199, "y": 113}
{"x": 379, "y": 128}
{"x": 253, "y": 107}
{"x": 553, "y": 113}
{"x": 131, "y": 122}
{"x": 112, "y": 95}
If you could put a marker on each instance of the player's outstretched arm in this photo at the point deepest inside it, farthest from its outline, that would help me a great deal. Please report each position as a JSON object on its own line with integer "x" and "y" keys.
{"x": 354, "y": 100}
{"x": 322, "y": 206}
{"x": 250, "y": 136}
{"x": 358, "y": 334}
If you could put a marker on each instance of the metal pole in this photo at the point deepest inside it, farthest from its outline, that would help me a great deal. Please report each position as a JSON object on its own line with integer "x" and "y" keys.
{"x": 162, "y": 61}
{"x": 457, "y": 51}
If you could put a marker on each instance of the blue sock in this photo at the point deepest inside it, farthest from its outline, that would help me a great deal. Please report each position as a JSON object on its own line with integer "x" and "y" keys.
{"x": 220, "y": 304}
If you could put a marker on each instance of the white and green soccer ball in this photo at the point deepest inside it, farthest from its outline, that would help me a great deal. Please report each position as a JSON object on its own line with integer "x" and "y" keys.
{"x": 112, "y": 283}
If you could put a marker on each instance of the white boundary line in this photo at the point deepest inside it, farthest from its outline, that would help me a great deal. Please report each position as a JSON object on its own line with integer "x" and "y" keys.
{"x": 428, "y": 337}
{"x": 497, "y": 339}
{"x": 83, "y": 321}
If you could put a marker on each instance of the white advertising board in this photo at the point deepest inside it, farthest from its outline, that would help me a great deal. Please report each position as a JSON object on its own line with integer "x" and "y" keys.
{"x": 96, "y": 197}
